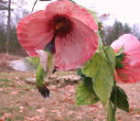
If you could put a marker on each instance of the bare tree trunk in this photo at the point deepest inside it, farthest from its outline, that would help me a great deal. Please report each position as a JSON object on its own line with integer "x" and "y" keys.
{"x": 8, "y": 27}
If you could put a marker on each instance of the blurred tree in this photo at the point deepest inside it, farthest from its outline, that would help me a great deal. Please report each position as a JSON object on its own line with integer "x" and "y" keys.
{"x": 17, "y": 12}
{"x": 8, "y": 26}
{"x": 112, "y": 33}
{"x": 3, "y": 5}
{"x": 136, "y": 30}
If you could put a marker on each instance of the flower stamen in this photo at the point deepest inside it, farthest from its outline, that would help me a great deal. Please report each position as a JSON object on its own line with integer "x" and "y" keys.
{"x": 59, "y": 25}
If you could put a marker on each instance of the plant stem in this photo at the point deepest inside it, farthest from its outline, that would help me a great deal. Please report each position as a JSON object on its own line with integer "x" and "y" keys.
{"x": 115, "y": 99}
{"x": 115, "y": 102}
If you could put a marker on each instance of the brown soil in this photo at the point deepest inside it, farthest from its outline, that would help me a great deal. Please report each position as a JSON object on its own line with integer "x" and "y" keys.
{"x": 20, "y": 101}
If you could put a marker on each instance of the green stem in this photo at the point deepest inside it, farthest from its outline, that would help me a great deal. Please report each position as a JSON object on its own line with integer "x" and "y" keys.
{"x": 115, "y": 102}
{"x": 115, "y": 99}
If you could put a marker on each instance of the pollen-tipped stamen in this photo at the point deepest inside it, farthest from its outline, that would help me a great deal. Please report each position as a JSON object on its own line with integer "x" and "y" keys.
{"x": 59, "y": 25}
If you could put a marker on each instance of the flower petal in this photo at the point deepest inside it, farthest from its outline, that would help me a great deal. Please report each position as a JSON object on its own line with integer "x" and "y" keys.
{"x": 76, "y": 48}
{"x": 131, "y": 70}
{"x": 128, "y": 41}
{"x": 128, "y": 75}
{"x": 32, "y": 32}
{"x": 72, "y": 10}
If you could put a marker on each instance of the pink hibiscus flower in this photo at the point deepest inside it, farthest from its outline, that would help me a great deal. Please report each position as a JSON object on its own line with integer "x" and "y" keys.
{"x": 69, "y": 28}
{"x": 130, "y": 73}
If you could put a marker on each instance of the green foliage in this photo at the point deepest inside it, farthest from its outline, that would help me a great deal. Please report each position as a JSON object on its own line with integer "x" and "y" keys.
{"x": 33, "y": 60}
{"x": 85, "y": 94}
{"x": 122, "y": 101}
{"x": 119, "y": 57}
{"x": 110, "y": 56}
{"x": 50, "y": 63}
{"x": 100, "y": 68}
{"x": 40, "y": 75}
{"x": 14, "y": 46}
{"x": 45, "y": 68}
{"x": 79, "y": 72}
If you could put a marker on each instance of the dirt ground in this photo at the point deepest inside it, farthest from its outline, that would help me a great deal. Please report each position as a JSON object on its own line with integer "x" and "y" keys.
{"x": 20, "y": 101}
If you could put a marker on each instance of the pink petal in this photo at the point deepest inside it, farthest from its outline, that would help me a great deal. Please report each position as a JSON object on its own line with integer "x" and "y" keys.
{"x": 68, "y": 8}
{"x": 32, "y": 32}
{"x": 128, "y": 41}
{"x": 78, "y": 46}
{"x": 130, "y": 73}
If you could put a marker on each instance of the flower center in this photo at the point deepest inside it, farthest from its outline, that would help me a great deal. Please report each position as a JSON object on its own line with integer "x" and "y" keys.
{"x": 59, "y": 25}
{"x": 62, "y": 24}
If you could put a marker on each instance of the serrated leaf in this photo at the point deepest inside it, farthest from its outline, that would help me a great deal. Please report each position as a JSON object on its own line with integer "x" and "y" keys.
{"x": 85, "y": 94}
{"x": 110, "y": 112}
{"x": 122, "y": 100}
{"x": 100, "y": 69}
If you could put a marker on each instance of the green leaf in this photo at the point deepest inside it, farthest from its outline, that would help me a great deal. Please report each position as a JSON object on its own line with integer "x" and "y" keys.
{"x": 101, "y": 69}
{"x": 110, "y": 112}
{"x": 122, "y": 99}
{"x": 111, "y": 56}
{"x": 85, "y": 94}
